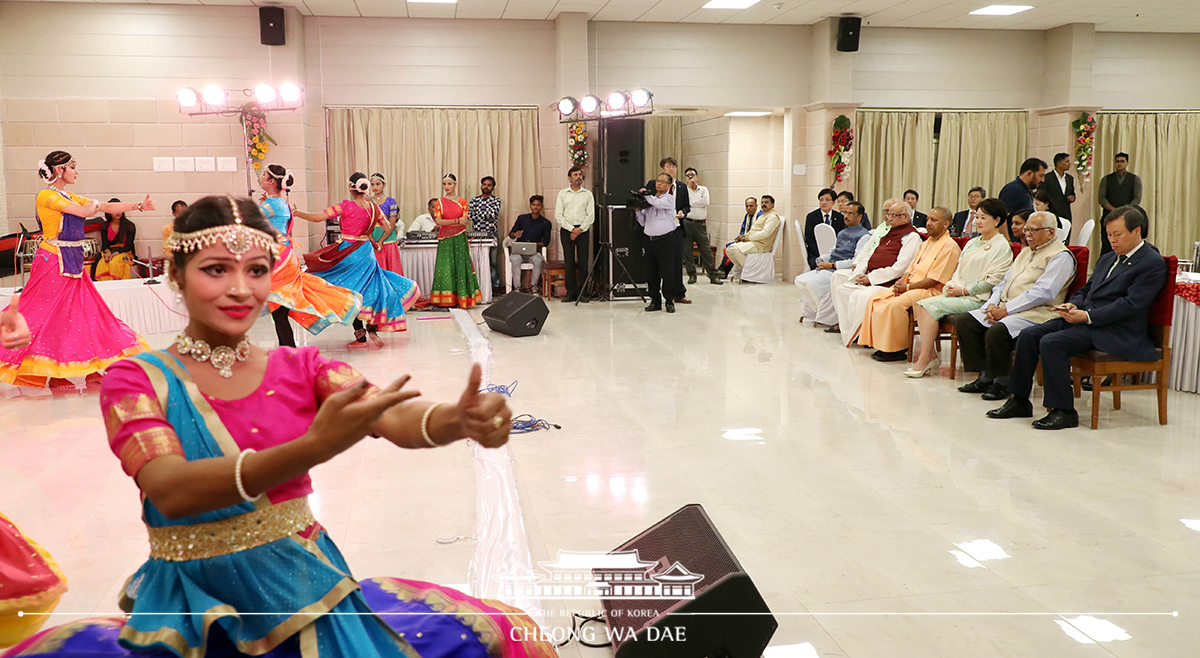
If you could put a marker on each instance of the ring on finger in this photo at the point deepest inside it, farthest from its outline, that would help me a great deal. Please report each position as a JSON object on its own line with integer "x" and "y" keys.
{"x": 497, "y": 422}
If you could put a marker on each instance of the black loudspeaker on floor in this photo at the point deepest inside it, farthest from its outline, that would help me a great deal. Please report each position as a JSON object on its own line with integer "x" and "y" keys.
{"x": 517, "y": 314}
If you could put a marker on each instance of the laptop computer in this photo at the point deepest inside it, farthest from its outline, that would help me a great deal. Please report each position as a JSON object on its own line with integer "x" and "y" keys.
{"x": 525, "y": 248}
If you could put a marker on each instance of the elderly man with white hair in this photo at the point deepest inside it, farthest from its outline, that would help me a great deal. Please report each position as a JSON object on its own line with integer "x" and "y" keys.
{"x": 826, "y": 312}
{"x": 882, "y": 262}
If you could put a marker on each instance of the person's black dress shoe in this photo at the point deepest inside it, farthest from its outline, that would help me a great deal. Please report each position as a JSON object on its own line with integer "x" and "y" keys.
{"x": 977, "y": 386}
{"x": 1057, "y": 419}
{"x": 715, "y": 281}
{"x": 654, "y": 307}
{"x": 1014, "y": 408}
{"x": 995, "y": 392}
{"x": 670, "y": 307}
{"x": 886, "y": 357}
{"x": 568, "y": 299}
{"x": 691, "y": 279}
{"x": 1087, "y": 383}
{"x": 835, "y": 329}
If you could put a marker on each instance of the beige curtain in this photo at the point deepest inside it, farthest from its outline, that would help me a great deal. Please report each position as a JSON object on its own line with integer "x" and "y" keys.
{"x": 664, "y": 137}
{"x": 895, "y": 153}
{"x": 415, "y": 147}
{"x": 1137, "y": 135}
{"x": 1175, "y": 225}
{"x": 982, "y": 149}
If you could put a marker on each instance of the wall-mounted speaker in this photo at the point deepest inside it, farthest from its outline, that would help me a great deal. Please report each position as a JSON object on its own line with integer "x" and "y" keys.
{"x": 270, "y": 26}
{"x": 847, "y": 38}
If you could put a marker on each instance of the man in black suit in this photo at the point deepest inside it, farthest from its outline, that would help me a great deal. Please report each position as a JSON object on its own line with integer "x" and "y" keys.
{"x": 964, "y": 220}
{"x": 1110, "y": 313}
{"x": 824, "y": 214}
{"x": 682, "y": 207}
{"x": 918, "y": 218}
{"x": 1060, "y": 186}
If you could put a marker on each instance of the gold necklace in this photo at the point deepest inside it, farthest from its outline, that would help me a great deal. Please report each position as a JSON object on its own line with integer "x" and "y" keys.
{"x": 222, "y": 357}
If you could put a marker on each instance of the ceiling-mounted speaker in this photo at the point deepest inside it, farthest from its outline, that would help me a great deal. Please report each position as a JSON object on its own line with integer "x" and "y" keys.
{"x": 847, "y": 39}
{"x": 270, "y": 26}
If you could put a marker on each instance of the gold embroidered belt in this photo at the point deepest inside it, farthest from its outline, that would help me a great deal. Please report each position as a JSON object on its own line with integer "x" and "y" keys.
{"x": 69, "y": 243}
{"x": 356, "y": 238}
{"x": 179, "y": 543}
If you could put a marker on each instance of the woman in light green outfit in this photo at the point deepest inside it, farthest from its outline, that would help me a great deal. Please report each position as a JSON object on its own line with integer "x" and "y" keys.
{"x": 981, "y": 266}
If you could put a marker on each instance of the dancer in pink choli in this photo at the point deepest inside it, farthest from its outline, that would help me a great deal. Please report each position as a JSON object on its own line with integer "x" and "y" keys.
{"x": 74, "y": 332}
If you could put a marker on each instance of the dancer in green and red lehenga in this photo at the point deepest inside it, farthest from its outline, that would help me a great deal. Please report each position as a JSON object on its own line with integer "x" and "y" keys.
{"x": 454, "y": 280}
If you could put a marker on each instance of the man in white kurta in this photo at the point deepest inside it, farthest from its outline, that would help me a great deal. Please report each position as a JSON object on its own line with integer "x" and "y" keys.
{"x": 879, "y": 267}
{"x": 826, "y": 308}
{"x": 759, "y": 239}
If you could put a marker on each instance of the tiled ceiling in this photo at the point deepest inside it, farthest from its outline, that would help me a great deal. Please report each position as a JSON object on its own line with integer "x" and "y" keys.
{"x": 1108, "y": 15}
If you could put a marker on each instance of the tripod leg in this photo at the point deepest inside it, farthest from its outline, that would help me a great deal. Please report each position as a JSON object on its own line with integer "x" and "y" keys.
{"x": 631, "y": 281}
{"x": 591, "y": 271}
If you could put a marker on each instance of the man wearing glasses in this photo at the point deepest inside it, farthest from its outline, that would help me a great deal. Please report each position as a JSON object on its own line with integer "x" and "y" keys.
{"x": 883, "y": 262}
{"x": 1036, "y": 283}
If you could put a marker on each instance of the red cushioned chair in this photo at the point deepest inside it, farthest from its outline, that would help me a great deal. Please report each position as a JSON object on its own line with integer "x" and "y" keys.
{"x": 1098, "y": 365}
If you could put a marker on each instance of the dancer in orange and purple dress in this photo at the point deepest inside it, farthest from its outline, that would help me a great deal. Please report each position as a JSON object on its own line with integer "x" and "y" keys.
{"x": 219, "y": 436}
{"x": 388, "y": 254}
{"x": 74, "y": 332}
{"x": 454, "y": 280}
{"x": 307, "y": 299}
{"x": 30, "y": 581}
{"x": 352, "y": 265}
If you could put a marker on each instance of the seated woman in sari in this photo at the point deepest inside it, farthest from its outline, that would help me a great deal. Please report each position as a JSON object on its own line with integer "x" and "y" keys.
{"x": 351, "y": 264}
{"x": 219, "y": 436}
{"x": 454, "y": 280}
{"x": 116, "y": 246}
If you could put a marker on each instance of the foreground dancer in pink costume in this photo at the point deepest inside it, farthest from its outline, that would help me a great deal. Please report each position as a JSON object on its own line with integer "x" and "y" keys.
{"x": 74, "y": 332}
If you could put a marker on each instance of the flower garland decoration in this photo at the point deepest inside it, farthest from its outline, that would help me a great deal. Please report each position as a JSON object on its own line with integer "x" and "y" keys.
{"x": 1085, "y": 142}
{"x": 254, "y": 121}
{"x": 577, "y": 143}
{"x": 843, "y": 144}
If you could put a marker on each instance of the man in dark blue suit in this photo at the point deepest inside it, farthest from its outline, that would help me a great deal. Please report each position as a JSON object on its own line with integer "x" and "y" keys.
{"x": 824, "y": 214}
{"x": 1111, "y": 313}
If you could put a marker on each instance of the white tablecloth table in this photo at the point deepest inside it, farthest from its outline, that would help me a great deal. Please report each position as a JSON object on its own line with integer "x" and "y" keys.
{"x": 420, "y": 258}
{"x": 147, "y": 309}
{"x": 1185, "y": 347}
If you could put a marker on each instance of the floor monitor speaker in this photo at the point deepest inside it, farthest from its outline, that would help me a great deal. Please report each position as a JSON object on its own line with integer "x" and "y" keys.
{"x": 270, "y": 26}
{"x": 847, "y": 37}
{"x": 684, "y": 551}
{"x": 517, "y": 314}
{"x": 624, "y": 158}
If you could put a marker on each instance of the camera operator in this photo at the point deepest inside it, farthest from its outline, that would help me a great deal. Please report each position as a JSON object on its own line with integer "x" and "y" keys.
{"x": 683, "y": 206}
{"x": 659, "y": 223}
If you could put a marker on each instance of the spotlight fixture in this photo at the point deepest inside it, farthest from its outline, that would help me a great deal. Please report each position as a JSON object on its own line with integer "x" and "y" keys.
{"x": 589, "y": 104}
{"x": 214, "y": 95}
{"x": 566, "y": 106}
{"x": 187, "y": 97}
{"x": 616, "y": 101}
{"x": 640, "y": 98}
{"x": 289, "y": 92}
{"x": 264, "y": 94}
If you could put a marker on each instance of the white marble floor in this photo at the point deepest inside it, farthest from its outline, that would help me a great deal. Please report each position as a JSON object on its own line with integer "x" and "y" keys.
{"x": 860, "y": 502}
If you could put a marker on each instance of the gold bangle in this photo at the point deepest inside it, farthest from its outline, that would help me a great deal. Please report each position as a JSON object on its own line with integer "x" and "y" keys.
{"x": 425, "y": 424}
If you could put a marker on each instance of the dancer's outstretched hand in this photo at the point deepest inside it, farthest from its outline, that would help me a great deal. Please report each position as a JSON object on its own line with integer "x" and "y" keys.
{"x": 345, "y": 417}
{"x": 14, "y": 332}
{"x": 484, "y": 417}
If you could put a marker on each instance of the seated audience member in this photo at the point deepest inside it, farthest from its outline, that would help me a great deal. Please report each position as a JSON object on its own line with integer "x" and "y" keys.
{"x": 964, "y": 220}
{"x": 844, "y": 199}
{"x": 982, "y": 265}
{"x": 177, "y": 209}
{"x": 1110, "y": 313}
{"x": 885, "y": 320}
{"x": 1016, "y": 223}
{"x": 424, "y": 223}
{"x": 117, "y": 234}
{"x": 824, "y": 214}
{"x": 1036, "y": 282}
{"x": 840, "y": 276}
{"x": 918, "y": 218}
{"x": 1017, "y": 194}
{"x": 880, "y": 265}
{"x": 747, "y": 221}
{"x": 815, "y": 284}
{"x": 530, "y": 227}
{"x": 1041, "y": 201}
{"x": 759, "y": 239}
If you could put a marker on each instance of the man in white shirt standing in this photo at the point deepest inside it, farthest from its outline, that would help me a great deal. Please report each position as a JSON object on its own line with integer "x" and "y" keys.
{"x": 575, "y": 210}
{"x": 695, "y": 229}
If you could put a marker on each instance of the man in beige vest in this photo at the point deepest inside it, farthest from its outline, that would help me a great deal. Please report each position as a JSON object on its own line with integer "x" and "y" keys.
{"x": 1038, "y": 280}
{"x": 758, "y": 240}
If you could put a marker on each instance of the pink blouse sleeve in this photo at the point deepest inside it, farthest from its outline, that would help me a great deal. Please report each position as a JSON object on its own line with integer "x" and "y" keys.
{"x": 138, "y": 430}
{"x": 335, "y": 210}
{"x": 332, "y": 376}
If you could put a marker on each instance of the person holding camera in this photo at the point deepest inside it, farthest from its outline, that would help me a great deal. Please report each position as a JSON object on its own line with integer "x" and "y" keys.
{"x": 683, "y": 206}
{"x": 658, "y": 221}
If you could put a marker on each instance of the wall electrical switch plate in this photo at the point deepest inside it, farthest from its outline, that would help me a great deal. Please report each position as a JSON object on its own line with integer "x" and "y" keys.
{"x": 164, "y": 164}
{"x": 185, "y": 164}
{"x": 206, "y": 164}
{"x": 799, "y": 170}
{"x": 226, "y": 164}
